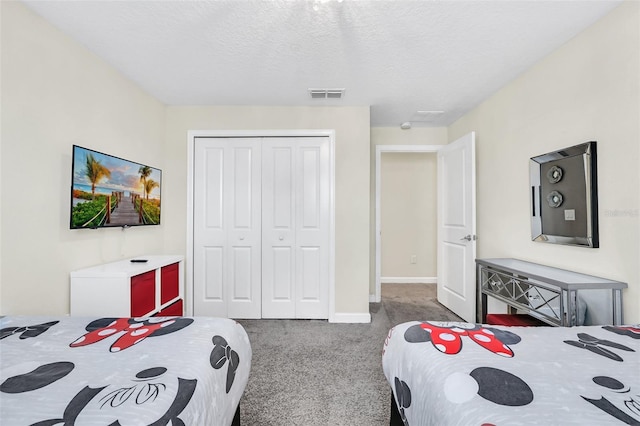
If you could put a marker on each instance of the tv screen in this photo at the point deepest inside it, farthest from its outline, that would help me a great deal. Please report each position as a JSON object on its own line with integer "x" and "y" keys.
{"x": 108, "y": 191}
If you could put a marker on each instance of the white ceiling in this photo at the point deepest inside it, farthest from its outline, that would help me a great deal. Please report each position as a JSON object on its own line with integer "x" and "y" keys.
{"x": 399, "y": 56}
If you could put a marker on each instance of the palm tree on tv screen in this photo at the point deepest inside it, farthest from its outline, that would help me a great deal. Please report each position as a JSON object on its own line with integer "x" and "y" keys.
{"x": 95, "y": 172}
{"x": 145, "y": 172}
{"x": 149, "y": 185}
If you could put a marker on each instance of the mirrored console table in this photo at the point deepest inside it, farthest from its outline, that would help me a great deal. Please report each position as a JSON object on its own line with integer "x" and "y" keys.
{"x": 556, "y": 296}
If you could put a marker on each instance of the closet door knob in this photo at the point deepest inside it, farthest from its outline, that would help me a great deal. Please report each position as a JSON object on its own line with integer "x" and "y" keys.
{"x": 281, "y": 238}
{"x": 242, "y": 238}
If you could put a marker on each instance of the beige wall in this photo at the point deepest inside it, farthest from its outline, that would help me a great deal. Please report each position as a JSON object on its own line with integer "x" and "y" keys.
{"x": 55, "y": 94}
{"x": 408, "y": 215}
{"x": 587, "y": 90}
{"x": 351, "y": 125}
{"x": 396, "y": 136}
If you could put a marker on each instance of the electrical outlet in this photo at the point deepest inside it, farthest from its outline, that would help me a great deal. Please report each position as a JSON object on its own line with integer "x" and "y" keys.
{"x": 413, "y": 259}
{"x": 570, "y": 214}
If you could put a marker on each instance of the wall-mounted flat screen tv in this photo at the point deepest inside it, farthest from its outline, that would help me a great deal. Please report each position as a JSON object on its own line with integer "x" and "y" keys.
{"x": 108, "y": 191}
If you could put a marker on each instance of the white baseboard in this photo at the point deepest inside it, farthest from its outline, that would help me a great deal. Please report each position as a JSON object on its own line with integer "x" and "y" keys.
{"x": 341, "y": 317}
{"x": 408, "y": 280}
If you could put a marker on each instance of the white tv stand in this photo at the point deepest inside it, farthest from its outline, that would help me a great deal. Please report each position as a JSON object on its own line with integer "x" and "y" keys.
{"x": 127, "y": 289}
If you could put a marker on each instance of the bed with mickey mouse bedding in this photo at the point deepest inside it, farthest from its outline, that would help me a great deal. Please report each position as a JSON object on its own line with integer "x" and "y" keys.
{"x": 122, "y": 371}
{"x": 482, "y": 375}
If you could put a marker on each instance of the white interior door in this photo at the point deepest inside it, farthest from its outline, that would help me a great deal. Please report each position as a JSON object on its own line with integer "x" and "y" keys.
{"x": 295, "y": 225}
{"x": 457, "y": 227}
{"x": 227, "y": 228}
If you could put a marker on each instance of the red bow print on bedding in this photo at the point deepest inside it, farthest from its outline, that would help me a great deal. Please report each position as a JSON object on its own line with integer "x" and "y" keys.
{"x": 448, "y": 339}
{"x": 134, "y": 330}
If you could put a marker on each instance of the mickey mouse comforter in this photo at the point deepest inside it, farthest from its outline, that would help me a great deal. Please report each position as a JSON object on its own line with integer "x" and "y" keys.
{"x": 121, "y": 371}
{"x": 469, "y": 374}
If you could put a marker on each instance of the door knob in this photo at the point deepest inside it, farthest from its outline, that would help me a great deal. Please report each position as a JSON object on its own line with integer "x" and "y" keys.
{"x": 281, "y": 238}
{"x": 468, "y": 237}
{"x": 241, "y": 238}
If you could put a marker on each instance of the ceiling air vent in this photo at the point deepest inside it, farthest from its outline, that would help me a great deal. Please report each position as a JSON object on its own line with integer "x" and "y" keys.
{"x": 326, "y": 93}
{"x": 318, "y": 93}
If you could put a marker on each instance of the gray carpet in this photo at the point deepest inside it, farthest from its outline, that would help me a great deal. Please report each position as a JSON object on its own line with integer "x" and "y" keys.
{"x": 411, "y": 302}
{"x": 311, "y": 372}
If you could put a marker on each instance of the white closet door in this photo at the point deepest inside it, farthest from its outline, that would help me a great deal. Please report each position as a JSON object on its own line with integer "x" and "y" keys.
{"x": 278, "y": 229}
{"x": 295, "y": 225}
{"x": 227, "y": 227}
{"x": 312, "y": 228}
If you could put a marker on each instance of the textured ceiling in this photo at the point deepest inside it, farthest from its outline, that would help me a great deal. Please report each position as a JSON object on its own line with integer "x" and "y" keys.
{"x": 399, "y": 56}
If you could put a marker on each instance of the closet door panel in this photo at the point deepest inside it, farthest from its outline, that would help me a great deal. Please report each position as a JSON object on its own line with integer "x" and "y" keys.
{"x": 312, "y": 225}
{"x": 282, "y": 278}
{"x": 310, "y": 191}
{"x": 227, "y": 227}
{"x": 213, "y": 188}
{"x": 240, "y": 274}
{"x": 243, "y": 217}
{"x": 214, "y": 271}
{"x": 209, "y": 234}
{"x": 281, "y": 197}
{"x": 278, "y": 238}
{"x": 310, "y": 273}
{"x": 242, "y": 199}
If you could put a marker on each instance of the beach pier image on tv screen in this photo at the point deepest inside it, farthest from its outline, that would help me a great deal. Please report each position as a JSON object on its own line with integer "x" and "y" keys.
{"x": 109, "y": 191}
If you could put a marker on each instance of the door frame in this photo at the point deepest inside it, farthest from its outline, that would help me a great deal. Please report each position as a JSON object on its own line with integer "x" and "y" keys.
{"x": 192, "y": 134}
{"x": 380, "y": 149}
